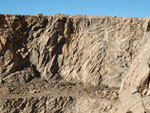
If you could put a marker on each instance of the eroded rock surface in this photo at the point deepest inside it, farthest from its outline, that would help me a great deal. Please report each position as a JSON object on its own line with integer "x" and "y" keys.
{"x": 102, "y": 61}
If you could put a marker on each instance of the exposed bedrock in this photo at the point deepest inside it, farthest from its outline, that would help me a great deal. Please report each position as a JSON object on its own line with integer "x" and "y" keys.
{"x": 95, "y": 50}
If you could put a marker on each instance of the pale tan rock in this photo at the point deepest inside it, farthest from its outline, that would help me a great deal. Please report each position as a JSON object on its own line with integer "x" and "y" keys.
{"x": 94, "y": 50}
{"x": 138, "y": 75}
{"x": 136, "y": 80}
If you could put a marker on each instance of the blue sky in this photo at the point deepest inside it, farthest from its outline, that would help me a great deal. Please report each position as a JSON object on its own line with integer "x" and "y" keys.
{"x": 128, "y": 8}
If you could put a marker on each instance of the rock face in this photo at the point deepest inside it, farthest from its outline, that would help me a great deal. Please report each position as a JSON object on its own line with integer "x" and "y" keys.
{"x": 135, "y": 85}
{"x": 111, "y": 53}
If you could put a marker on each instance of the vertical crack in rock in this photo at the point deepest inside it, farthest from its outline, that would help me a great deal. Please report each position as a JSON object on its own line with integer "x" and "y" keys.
{"x": 148, "y": 26}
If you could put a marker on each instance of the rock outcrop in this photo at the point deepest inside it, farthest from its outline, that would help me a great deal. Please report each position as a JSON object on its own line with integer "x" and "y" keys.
{"x": 105, "y": 53}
